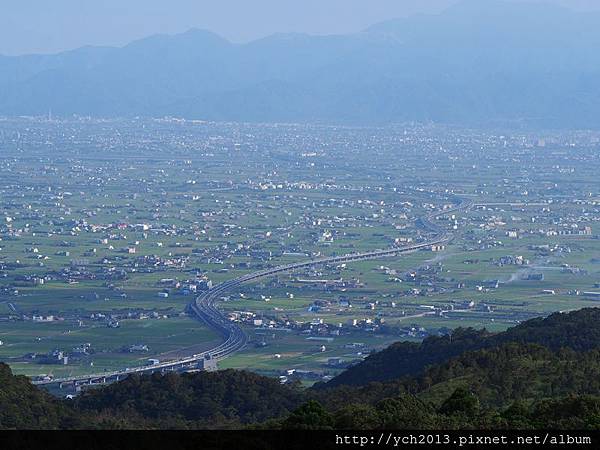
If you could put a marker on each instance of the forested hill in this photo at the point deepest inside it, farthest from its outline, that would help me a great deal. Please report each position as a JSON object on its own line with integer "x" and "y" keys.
{"x": 206, "y": 400}
{"x": 224, "y": 399}
{"x": 510, "y": 386}
{"x": 24, "y": 406}
{"x": 544, "y": 373}
{"x": 578, "y": 330}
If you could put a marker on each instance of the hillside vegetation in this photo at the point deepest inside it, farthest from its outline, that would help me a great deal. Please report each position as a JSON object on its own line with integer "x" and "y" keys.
{"x": 577, "y": 330}
{"x": 544, "y": 373}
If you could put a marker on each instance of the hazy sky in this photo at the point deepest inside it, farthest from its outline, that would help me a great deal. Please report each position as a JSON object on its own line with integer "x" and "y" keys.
{"x": 45, "y": 26}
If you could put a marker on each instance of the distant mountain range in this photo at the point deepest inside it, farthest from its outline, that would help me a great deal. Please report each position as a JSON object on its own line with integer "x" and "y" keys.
{"x": 478, "y": 63}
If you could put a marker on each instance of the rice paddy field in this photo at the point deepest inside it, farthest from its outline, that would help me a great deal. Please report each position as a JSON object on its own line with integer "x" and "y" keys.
{"x": 106, "y": 225}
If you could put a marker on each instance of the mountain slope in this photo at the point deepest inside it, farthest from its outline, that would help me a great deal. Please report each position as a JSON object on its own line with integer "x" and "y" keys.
{"x": 507, "y": 382}
{"x": 481, "y": 61}
{"x": 224, "y": 399}
{"x": 577, "y": 330}
{"x": 23, "y": 406}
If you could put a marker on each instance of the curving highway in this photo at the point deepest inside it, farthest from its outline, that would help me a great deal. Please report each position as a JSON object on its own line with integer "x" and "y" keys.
{"x": 235, "y": 338}
{"x": 204, "y": 306}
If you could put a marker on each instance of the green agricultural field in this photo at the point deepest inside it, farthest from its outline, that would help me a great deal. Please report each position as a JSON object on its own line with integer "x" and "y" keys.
{"x": 113, "y": 221}
{"x": 165, "y": 338}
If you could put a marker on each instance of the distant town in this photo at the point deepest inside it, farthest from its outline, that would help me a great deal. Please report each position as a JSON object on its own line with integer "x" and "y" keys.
{"x": 110, "y": 229}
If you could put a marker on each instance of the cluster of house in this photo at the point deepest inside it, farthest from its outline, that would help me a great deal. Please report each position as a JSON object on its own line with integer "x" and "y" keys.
{"x": 510, "y": 260}
{"x": 53, "y": 357}
{"x": 316, "y": 327}
{"x": 329, "y": 284}
{"x": 187, "y": 287}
